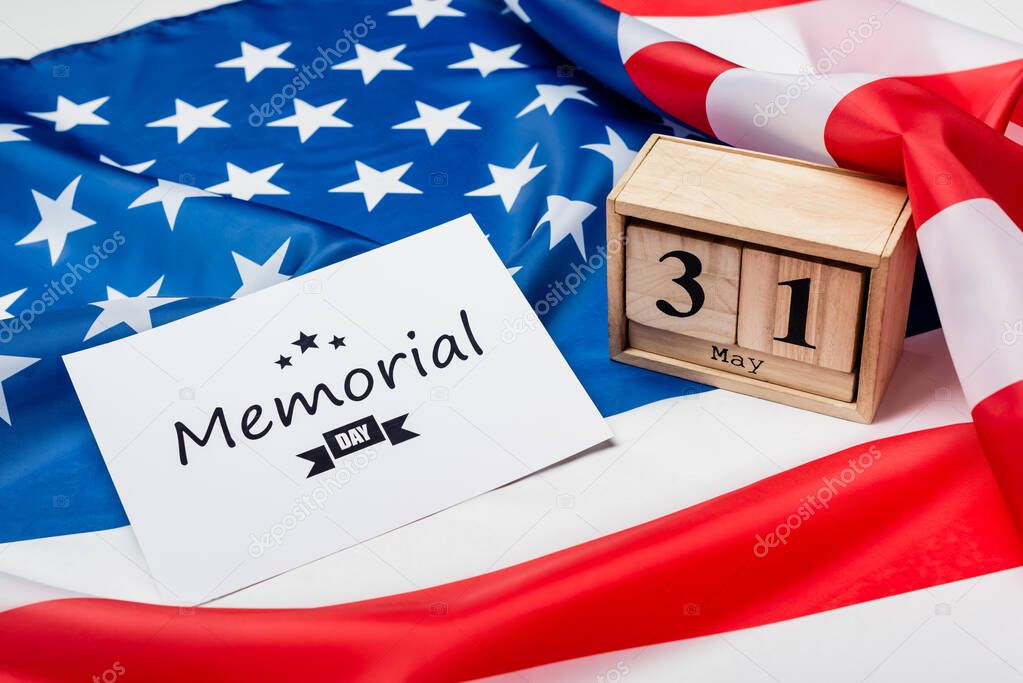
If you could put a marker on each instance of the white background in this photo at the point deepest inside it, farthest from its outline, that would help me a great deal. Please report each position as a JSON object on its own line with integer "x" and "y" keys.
{"x": 965, "y": 631}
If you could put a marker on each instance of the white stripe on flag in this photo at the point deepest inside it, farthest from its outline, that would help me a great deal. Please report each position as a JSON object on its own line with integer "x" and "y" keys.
{"x": 16, "y": 591}
{"x": 106, "y": 564}
{"x": 634, "y": 35}
{"x": 1014, "y": 132}
{"x": 883, "y": 37}
{"x": 974, "y": 253}
{"x": 964, "y": 631}
{"x": 778, "y": 113}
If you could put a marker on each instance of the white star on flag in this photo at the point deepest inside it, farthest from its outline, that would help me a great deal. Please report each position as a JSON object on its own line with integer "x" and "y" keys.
{"x": 371, "y": 62}
{"x": 7, "y": 301}
{"x": 69, "y": 114}
{"x": 616, "y": 150}
{"x": 133, "y": 311}
{"x": 310, "y": 118}
{"x": 171, "y": 195}
{"x": 426, "y": 11}
{"x": 566, "y": 218}
{"x": 508, "y": 182}
{"x": 550, "y": 98}
{"x": 188, "y": 119}
{"x": 253, "y": 60}
{"x": 374, "y": 185}
{"x": 515, "y": 7}
{"x": 257, "y": 276}
{"x": 436, "y": 122}
{"x": 132, "y": 168}
{"x": 242, "y": 184}
{"x": 57, "y": 219}
{"x": 489, "y": 61}
{"x": 8, "y": 134}
{"x": 676, "y": 129}
{"x": 10, "y": 366}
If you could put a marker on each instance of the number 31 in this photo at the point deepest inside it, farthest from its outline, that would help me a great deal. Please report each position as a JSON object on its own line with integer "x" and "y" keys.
{"x": 799, "y": 297}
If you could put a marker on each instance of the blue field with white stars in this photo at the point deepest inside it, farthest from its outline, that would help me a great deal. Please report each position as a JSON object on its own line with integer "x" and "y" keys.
{"x": 162, "y": 171}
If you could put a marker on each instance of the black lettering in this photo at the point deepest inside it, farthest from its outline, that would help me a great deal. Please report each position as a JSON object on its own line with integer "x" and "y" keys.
{"x": 419, "y": 361}
{"x": 799, "y": 309}
{"x": 310, "y": 408}
{"x": 468, "y": 333}
{"x": 453, "y": 351}
{"x": 348, "y": 383}
{"x": 249, "y": 419}
{"x": 388, "y": 372}
{"x": 182, "y": 430}
{"x": 415, "y": 355}
{"x": 691, "y": 269}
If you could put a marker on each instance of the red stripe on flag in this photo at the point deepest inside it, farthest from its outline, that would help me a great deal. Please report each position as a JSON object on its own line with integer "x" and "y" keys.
{"x": 900, "y": 514}
{"x": 997, "y": 419}
{"x": 948, "y": 158}
{"x": 895, "y": 127}
{"x": 676, "y": 77}
{"x": 988, "y": 93}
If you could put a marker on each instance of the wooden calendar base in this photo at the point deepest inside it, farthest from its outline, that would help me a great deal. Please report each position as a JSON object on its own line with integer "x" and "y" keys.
{"x": 742, "y": 362}
{"x": 774, "y": 277}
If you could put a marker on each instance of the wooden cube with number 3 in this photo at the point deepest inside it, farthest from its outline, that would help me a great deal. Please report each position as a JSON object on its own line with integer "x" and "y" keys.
{"x": 778, "y": 278}
{"x": 683, "y": 283}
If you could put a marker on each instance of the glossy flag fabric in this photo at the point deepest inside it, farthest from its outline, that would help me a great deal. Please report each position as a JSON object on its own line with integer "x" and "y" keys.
{"x": 924, "y": 511}
{"x": 237, "y": 177}
{"x": 903, "y": 513}
{"x": 934, "y": 116}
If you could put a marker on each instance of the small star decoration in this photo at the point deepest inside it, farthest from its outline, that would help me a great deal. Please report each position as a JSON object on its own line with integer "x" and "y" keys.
{"x": 305, "y": 341}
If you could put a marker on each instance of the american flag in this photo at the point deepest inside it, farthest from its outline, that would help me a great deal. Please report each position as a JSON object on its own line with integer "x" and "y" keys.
{"x": 159, "y": 172}
{"x": 195, "y": 160}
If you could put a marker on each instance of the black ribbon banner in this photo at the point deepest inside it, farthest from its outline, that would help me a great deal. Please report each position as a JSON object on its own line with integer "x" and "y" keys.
{"x": 353, "y": 437}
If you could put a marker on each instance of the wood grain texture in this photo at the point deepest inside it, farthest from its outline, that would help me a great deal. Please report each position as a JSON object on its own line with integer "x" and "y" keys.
{"x": 617, "y": 330}
{"x": 747, "y": 363}
{"x": 650, "y": 272}
{"x": 866, "y": 230}
{"x": 834, "y": 312}
{"x": 763, "y": 199}
{"x": 887, "y": 311}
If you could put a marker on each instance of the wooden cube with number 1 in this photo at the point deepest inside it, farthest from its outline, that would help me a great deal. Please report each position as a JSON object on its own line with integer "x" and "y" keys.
{"x": 800, "y": 308}
{"x": 774, "y": 277}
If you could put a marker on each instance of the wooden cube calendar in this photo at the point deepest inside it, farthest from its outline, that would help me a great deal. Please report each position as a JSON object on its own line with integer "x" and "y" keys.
{"x": 774, "y": 277}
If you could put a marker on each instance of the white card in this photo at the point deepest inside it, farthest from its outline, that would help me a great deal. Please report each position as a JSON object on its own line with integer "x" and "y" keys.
{"x": 394, "y": 434}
